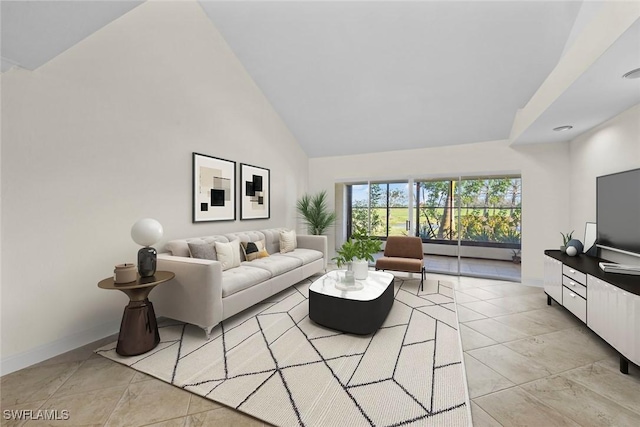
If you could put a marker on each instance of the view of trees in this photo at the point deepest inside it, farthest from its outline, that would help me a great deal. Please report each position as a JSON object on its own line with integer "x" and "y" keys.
{"x": 490, "y": 209}
{"x": 397, "y": 213}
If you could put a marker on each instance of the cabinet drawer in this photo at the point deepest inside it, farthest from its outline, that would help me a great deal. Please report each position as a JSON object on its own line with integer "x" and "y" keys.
{"x": 576, "y": 275}
{"x": 574, "y": 286}
{"x": 575, "y": 304}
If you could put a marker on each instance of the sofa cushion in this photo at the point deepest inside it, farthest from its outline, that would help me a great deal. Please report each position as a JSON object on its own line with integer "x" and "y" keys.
{"x": 305, "y": 255}
{"x": 411, "y": 265}
{"x": 180, "y": 247}
{"x": 228, "y": 254}
{"x": 276, "y": 264}
{"x": 272, "y": 239}
{"x": 241, "y": 278}
{"x": 202, "y": 251}
{"x": 287, "y": 241}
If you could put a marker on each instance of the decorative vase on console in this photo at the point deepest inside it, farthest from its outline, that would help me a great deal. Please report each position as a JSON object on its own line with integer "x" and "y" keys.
{"x": 574, "y": 247}
{"x": 565, "y": 239}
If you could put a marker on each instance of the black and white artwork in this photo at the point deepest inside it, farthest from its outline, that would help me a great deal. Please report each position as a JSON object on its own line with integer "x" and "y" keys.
{"x": 254, "y": 192}
{"x": 214, "y": 181}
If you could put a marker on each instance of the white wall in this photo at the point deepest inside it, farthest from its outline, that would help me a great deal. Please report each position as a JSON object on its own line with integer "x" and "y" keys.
{"x": 614, "y": 146}
{"x": 545, "y": 187}
{"x": 103, "y": 135}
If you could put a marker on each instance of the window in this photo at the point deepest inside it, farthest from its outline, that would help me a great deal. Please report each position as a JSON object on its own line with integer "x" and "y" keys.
{"x": 472, "y": 209}
{"x": 434, "y": 213}
{"x": 491, "y": 211}
{"x": 382, "y": 208}
{"x": 478, "y": 211}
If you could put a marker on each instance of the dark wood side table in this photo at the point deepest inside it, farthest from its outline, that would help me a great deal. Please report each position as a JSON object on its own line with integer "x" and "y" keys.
{"x": 139, "y": 329}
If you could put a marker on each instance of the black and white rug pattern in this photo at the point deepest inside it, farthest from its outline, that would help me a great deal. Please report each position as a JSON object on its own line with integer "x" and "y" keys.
{"x": 273, "y": 363}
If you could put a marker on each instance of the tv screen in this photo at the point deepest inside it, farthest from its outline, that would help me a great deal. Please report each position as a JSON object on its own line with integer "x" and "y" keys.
{"x": 618, "y": 211}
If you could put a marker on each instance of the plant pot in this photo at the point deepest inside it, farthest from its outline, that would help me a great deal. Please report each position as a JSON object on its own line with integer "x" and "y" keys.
{"x": 360, "y": 269}
{"x": 563, "y": 249}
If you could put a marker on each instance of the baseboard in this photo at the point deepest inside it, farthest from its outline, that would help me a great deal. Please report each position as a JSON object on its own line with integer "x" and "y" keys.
{"x": 46, "y": 351}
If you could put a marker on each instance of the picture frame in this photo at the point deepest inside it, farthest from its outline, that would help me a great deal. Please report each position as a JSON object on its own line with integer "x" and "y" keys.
{"x": 590, "y": 236}
{"x": 214, "y": 184}
{"x": 255, "y": 192}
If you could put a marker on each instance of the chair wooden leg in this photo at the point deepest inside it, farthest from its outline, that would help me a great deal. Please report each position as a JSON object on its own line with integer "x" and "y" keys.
{"x": 422, "y": 279}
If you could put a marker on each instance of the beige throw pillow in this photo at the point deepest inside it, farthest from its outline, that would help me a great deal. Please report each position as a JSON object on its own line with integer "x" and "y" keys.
{"x": 228, "y": 254}
{"x": 288, "y": 241}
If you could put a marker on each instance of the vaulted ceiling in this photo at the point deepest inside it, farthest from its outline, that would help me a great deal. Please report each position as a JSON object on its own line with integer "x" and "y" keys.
{"x": 370, "y": 76}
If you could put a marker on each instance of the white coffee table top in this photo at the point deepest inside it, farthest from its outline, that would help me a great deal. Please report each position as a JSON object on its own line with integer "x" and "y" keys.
{"x": 373, "y": 286}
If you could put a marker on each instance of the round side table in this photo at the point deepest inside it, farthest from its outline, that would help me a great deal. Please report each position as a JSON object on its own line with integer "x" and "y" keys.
{"x": 139, "y": 329}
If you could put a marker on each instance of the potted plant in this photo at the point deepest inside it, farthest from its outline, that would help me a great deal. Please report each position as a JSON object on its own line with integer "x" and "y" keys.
{"x": 357, "y": 252}
{"x": 315, "y": 213}
{"x": 565, "y": 239}
{"x": 516, "y": 257}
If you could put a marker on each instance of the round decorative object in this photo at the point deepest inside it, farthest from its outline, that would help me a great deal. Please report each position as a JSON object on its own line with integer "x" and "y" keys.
{"x": 125, "y": 273}
{"x": 348, "y": 283}
{"x": 574, "y": 247}
{"x": 146, "y": 231}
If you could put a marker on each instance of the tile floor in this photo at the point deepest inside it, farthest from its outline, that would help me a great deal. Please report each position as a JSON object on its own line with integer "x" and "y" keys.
{"x": 490, "y": 268}
{"x": 526, "y": 363}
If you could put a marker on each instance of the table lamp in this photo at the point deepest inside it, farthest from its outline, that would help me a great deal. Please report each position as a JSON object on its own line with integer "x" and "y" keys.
{"x": 146, "y": 232}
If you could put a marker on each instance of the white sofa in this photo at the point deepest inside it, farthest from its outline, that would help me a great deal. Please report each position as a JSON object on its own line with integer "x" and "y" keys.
{"x": 203, "y": 294}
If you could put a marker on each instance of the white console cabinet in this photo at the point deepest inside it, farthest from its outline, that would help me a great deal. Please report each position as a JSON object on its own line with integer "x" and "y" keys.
{"x": 614, "y": 314}
{"x": 608, "y": 303}
{"x": 553, "y": 278}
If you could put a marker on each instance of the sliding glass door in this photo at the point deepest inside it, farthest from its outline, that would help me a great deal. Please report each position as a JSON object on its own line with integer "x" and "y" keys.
{"x": 468, "y": 225}
{"x": 437, "y": 224}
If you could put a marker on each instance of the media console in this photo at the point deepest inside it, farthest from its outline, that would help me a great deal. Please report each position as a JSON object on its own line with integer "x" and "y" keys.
{"x": 608, "y": 303}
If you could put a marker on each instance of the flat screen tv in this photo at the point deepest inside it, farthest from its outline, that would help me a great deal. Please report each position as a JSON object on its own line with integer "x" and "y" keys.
{"x": 618, "y": 211}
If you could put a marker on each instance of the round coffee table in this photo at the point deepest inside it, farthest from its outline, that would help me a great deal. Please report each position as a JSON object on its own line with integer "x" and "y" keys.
{"x": 138, "y": 329}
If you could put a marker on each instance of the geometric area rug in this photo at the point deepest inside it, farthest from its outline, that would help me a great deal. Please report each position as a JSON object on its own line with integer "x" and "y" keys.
{"x": 272, "y": 362}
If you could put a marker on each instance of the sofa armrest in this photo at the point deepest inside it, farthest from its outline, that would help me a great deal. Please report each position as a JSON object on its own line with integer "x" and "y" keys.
{"x": 194, "y": 295}
{"x": 318, "y": 243}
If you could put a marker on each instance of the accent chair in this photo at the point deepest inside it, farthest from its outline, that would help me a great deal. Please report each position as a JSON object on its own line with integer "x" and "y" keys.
{"x": 403, "y": 253}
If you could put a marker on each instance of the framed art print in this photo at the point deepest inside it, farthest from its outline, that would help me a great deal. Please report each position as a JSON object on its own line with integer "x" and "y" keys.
{"x": 214, "y": 183}
{"x": 254, "y": 192}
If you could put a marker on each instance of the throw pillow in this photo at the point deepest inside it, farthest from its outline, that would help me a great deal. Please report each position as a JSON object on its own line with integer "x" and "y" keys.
{"x": 252, "y": 249}
{"x": 228, "y": 254}
{"x": 287, "y": 241}
{"x": 202, "y": 251}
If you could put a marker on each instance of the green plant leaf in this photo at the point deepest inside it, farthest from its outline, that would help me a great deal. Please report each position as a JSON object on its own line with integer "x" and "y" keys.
{"x": 315, "y": 212}
{"x": 360, "y": 246}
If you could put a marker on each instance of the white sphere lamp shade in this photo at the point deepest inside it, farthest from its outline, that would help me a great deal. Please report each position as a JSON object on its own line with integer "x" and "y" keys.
{"x": 146, "y": 231}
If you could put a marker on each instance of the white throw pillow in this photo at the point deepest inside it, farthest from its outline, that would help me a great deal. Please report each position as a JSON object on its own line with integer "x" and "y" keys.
{"x": 288, "y": 241}
{"x": 228, "y": 254}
